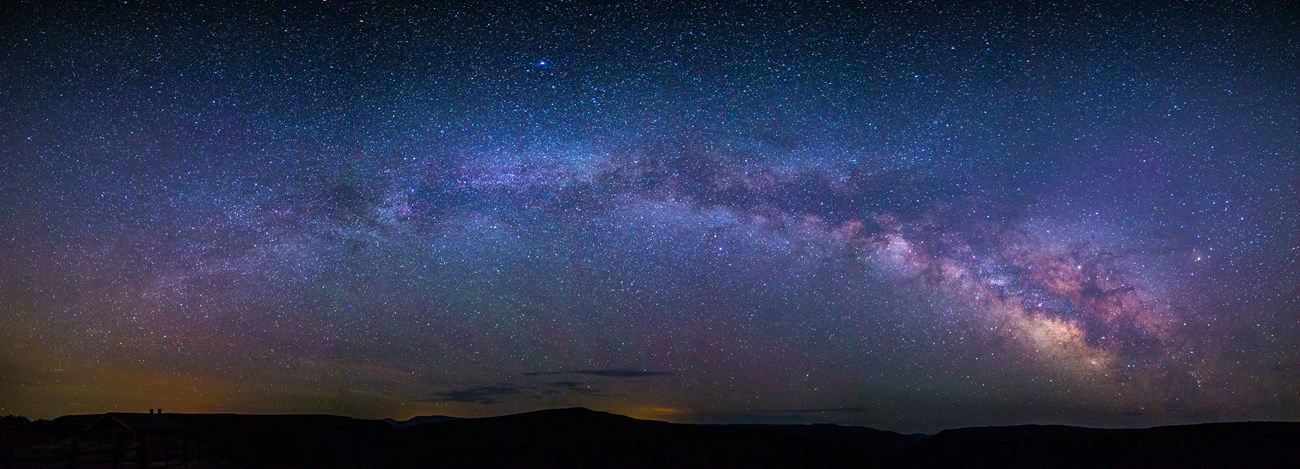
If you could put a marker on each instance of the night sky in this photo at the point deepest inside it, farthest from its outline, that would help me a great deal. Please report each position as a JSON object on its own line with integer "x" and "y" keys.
{"x": 909, "y": 216}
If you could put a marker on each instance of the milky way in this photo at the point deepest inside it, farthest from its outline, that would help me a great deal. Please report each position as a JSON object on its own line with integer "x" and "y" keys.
{"x": 909, "y": 217}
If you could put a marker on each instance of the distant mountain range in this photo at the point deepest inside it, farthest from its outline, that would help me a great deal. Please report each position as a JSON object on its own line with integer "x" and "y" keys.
{"x": 580, "y": 437}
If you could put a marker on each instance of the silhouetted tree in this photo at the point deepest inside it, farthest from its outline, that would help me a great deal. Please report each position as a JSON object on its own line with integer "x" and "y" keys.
{"x": 14, "y": 421}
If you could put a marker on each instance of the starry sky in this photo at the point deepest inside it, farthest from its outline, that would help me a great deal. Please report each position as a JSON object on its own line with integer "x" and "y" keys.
{"x": 904, "y": 215}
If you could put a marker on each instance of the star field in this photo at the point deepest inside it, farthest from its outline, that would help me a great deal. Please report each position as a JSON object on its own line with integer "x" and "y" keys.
{"x": 906, "y": 216}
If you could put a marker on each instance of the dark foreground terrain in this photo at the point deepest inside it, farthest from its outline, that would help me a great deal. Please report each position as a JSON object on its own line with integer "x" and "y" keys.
{"x": 586, "y": 438}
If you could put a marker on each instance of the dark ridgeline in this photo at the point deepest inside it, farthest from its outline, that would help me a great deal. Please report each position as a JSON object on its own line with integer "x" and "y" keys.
{"x": 586, "y": 438}
{"x": 109, "y": 440}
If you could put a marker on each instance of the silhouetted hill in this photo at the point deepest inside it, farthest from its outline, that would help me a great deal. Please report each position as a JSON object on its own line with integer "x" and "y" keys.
{"x": 425, "y": 419}
{"x": 586, "y": 438}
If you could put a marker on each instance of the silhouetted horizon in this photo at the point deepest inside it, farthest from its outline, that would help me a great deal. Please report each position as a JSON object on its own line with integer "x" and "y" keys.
{"x": 439, "y": 418}
{"x": 580, "y": 437}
